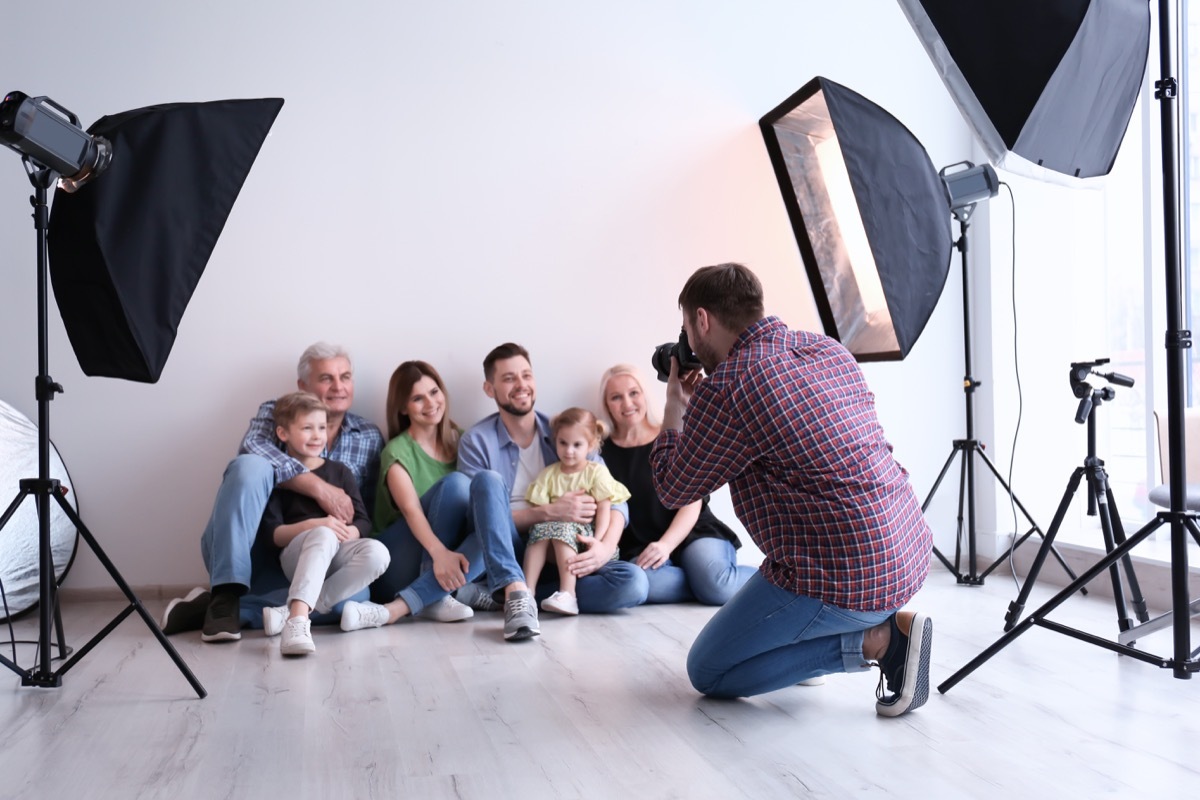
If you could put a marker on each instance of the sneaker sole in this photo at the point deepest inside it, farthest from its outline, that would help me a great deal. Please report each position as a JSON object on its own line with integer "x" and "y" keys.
{"x": 916, "y": 682}
{"x": 520, "y": 634}
{"x": 298, "y": 651}
{"x": 221, "y": 636}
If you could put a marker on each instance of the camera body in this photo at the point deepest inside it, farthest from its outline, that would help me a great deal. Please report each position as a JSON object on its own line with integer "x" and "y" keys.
{"x": 681, "y": 350}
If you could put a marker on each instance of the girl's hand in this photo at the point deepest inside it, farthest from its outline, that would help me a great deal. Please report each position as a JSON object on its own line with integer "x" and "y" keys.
{"x": 450, "y": 569}
{"x": 653, "y": 557}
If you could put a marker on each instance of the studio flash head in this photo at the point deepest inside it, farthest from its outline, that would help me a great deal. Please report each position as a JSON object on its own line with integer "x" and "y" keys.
{"x": 51, "y": 137}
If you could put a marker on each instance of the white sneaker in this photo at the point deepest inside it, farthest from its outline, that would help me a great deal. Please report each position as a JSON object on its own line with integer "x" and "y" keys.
{"x": 561, "y": 603}
{"x": 446, "y": 610}
{"x": 297, "y": 638}
{"x": 817, "y": 681}
{"x": 356, "y": 616}
{"x": 274, "y": 619}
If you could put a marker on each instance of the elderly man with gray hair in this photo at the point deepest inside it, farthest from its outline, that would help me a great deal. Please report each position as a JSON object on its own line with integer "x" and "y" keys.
{"x": 262, "y": 464}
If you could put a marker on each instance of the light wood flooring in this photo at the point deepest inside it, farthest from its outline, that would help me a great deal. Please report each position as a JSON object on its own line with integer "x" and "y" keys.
{"x": 597, "y": 707}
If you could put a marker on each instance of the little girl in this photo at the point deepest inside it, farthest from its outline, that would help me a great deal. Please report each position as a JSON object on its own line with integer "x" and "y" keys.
{"x": 577, "y": 436}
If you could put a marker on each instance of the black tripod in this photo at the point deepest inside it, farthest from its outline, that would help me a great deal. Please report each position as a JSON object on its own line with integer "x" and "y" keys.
{"x": 969, "y": 448}
{"x": 1099, "y": 501}
{"x": 1183, "y": 661}
{"x": 44, "y": 488}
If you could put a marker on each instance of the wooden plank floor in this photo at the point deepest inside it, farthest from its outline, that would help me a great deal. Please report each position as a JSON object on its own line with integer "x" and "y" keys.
{"x": 598, "y": 707}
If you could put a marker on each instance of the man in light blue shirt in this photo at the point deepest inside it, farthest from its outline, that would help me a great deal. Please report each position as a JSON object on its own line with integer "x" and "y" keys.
{"x": 502, "y": 454}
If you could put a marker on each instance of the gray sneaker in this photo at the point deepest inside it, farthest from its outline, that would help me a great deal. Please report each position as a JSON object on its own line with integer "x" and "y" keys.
{"x": 477, "y": 597}
{"x": 520, "y": 617}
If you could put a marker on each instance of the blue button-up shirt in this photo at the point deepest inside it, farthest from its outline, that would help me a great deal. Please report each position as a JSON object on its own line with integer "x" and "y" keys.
{"x": 488, "y": 446}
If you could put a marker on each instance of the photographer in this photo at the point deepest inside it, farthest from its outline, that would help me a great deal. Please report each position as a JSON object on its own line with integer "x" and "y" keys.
{"x": 786, "y": 419}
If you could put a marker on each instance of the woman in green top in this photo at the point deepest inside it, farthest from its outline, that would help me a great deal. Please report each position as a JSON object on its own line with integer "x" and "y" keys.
{"x": 421, "y": 505}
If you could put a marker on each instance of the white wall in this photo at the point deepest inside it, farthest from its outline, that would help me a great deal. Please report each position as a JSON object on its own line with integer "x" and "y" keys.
{"x": 444, "y": 177}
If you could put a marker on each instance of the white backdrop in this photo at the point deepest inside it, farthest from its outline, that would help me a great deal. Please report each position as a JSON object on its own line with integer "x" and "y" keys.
{"x": 444, "y": 177}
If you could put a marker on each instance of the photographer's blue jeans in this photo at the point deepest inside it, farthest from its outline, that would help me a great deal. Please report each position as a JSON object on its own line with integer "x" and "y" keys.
{"x": 707, "y": 572}
{"x": 614, "y": 586}
{"x": 766, "y": 638}
{"x": 410, "y": 575}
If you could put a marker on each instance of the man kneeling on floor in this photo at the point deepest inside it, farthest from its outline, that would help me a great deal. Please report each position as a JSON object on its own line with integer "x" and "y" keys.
{"x": 786, "y": 419}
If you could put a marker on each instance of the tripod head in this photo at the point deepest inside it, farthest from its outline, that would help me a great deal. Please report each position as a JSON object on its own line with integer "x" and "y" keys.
{"x": 1089, "y": 398}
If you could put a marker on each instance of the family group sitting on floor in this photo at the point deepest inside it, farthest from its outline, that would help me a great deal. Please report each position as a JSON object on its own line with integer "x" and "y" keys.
{"x": 319, "y": 520}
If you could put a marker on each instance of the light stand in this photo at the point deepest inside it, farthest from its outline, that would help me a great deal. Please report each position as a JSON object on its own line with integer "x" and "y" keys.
{"x": 966, "y": 188}
{"x": 43, "y": 488}
{"x": 1183, "y": 661}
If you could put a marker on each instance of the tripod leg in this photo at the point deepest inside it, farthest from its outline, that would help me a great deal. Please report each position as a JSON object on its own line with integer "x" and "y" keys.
{"x": 1101, "y": 495}
{"x": 1118, "y": 533}
{"x": 135, "y": 604}
{"x": 1039, "y": 614}
{"x": 1029, "y": 518}
{"x": 929, "y": 499}
{"x": 1017, "y": 606}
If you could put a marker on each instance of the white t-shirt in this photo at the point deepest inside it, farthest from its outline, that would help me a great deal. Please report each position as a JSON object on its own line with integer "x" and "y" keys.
{"x": 529, "y": 465}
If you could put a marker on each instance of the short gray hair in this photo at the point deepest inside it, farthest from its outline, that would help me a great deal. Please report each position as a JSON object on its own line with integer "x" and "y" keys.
{"x": 321, "y": 351}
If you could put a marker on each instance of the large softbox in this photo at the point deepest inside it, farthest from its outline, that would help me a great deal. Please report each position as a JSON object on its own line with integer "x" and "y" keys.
{"x": 128, "y": 248}
{"x": 869, "y": 212}
{"x": 1047, "y": 85}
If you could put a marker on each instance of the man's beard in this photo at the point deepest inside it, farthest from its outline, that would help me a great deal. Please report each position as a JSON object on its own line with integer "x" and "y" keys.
{"x": 516, "y": 412}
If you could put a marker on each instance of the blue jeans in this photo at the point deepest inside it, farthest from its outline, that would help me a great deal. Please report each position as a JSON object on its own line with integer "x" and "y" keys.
{"x": 229, "y": 536}
{"x": 767, "y": 638}
{"x": 616, "y": 585}
{"x": 707, "y": 572}
{"x": 410, "y": 575}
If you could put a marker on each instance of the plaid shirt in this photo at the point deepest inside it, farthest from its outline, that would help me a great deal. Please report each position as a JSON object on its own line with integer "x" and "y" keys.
{"x": 788, "y": 422}
{"x": 357, "y": 446}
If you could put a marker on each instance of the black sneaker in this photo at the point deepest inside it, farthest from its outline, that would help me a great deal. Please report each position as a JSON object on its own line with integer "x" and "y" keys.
{"x": 185, "y": 613}
{"x": 905, "y": 665}
{"x": 223, "y": 620}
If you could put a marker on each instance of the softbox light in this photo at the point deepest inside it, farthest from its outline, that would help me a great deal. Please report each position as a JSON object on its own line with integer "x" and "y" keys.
{"x": 1047, "y": 85}
{"x": 869, "y": 213}
{"x": 127, "y": 249}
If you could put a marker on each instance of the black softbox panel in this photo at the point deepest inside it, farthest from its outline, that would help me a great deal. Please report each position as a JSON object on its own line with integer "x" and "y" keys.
{"x": 128, "y": 248}
{"x": 899, "y": 205}
{"x": 1047, "y": 85}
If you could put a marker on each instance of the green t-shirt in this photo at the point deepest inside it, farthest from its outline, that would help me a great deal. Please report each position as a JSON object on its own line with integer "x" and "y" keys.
{"x": 424, "y": 469}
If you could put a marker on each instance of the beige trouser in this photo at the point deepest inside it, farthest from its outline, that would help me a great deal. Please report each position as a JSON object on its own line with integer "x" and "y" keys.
{"x": 324, "y": 571}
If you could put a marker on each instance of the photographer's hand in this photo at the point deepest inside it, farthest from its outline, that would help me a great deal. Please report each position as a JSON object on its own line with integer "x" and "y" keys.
{"x": 679, "y": 394}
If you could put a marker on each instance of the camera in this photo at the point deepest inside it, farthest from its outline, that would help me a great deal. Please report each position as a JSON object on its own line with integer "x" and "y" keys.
{"x": 682, "y": 350}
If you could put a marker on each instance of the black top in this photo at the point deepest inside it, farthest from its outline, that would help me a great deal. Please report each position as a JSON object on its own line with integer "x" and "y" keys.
{"x": 286, "y": 507}
{"x": 648, "y": 518}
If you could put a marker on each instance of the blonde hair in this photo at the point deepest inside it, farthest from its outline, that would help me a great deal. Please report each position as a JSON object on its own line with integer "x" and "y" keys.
{"x": 635, "y": 373}
{"x": 595, "y": 429}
